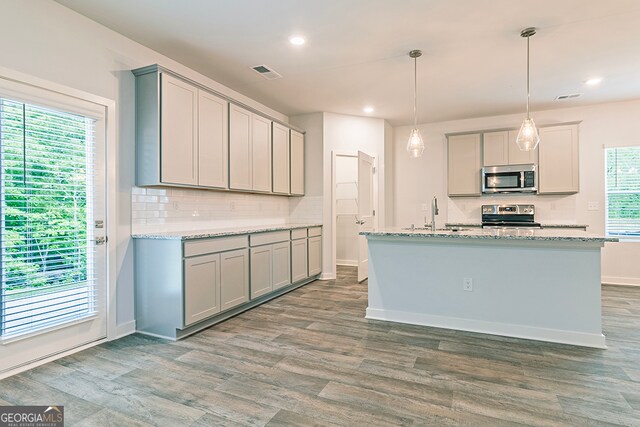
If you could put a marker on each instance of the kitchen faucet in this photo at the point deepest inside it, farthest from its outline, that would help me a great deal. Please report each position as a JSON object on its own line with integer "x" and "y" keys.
{"x": 434, "y": 212}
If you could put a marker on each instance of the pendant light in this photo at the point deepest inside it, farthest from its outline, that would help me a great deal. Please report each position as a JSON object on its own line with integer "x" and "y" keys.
{"x": 528, "y": 137}
{"x": 415, "y": 146}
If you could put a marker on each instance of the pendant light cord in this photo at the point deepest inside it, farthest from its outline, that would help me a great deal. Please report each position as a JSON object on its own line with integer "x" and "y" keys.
{"x": 415, "y": 90}
{"x": 528, "y": 91}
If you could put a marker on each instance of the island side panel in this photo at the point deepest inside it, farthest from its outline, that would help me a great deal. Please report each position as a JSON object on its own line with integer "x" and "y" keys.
{"x": 540, "y": 290}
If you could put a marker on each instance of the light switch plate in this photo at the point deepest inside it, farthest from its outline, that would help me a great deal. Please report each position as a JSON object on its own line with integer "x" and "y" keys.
{"x": 424, "y": 207}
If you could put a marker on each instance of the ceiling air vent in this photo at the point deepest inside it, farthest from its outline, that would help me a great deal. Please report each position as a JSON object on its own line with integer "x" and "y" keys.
{"x": 266, "y": 72}
{"x": 563, "y": 97}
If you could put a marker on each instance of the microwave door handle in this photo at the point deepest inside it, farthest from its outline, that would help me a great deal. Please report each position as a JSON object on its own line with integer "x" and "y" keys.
{"x": 521, "y": 179}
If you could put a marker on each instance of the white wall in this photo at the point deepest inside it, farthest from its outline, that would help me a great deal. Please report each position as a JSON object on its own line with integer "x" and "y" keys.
{"x": 47, "y": 40}
{"x": 611, "y": 124}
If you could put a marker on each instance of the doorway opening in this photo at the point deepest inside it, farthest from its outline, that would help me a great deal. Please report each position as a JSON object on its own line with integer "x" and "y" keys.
{"x": 354, "y": 207}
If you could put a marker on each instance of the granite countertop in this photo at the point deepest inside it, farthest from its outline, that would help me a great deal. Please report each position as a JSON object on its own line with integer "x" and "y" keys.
{"x": 543, "y": 225}
{"x": 219, "y": 232}
{"x": 495, "y": 234}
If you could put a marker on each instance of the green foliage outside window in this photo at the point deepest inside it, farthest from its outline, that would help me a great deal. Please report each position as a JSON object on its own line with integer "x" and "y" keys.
{"x": 44, "y": 204}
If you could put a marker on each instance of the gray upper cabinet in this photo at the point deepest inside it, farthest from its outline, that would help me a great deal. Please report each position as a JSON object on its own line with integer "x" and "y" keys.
{"x": 500, "y": 148}
{"x": 280, "y": 159}
{"x": 558, "y": 171}
{"x": 249, "y": 150}
{"x": 260, "y": 154}
{"x": 240, "y": 171}
{"x": 297, "y": 163}
{"x": 213, "y": 137}
{"x": 187, "y": 135}
{"x": 464, "y": 164}
{"x": 181, "y": 133}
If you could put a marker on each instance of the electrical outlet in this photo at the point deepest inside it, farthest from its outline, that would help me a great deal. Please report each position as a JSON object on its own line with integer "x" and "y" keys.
{"x": 467, "y": 284}
{"x": 593, "y": 206}
{"x": 232, "y": 206}
{"x": 424, "y": 207}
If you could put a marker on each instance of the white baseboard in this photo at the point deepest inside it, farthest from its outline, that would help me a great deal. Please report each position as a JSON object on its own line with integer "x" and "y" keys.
{"x": 347, "y": 262}
{"x": 621, "y": 281}
{"x": 492, "y": 328}
{"x": 327, "y": 276}
{"x": 124, "y": 329}
{"x": 48, "y": 359}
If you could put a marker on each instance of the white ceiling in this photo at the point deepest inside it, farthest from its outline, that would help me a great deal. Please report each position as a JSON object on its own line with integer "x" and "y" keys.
{"x": 356, "y": 54}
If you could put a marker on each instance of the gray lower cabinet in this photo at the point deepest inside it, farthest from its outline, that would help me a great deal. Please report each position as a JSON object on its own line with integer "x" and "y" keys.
{"x": 184, "y": 286}
{"x": 201, "y": 288}
{"x": 234, "y": 278}
{"x": 281, "y": 271}
{"x": 261, "y": 270}
{"x": 299, "y": 260}
{"x": 315, "y": 255}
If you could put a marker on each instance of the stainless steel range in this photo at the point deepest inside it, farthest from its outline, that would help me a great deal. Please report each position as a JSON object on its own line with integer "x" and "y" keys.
{"x": 509, "y": 216}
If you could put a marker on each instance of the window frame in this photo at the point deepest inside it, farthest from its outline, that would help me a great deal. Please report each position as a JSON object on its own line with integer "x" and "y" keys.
{"x": 620, "y": 237}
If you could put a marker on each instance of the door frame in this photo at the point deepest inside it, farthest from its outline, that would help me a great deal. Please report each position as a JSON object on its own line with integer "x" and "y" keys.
{"x": 26, "y": 80}
{"x": 334, "y": 219}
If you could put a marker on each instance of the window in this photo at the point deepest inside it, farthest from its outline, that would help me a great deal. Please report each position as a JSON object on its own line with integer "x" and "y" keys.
{"x": 46, "y": 161}
{"x": 623, "y": 191}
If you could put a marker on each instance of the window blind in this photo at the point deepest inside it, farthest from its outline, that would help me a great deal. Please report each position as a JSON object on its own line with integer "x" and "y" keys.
{"x": 623, "y": 191}
{"x": 46, "y": 188}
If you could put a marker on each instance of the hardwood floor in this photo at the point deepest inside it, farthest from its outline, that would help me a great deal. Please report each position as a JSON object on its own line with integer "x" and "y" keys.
{"x": 310, "y": 358}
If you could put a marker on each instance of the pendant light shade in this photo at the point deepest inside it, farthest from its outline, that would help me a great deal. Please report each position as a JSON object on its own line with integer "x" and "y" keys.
{"x": 528, "y": 137}
{"x": 415, "y": 146}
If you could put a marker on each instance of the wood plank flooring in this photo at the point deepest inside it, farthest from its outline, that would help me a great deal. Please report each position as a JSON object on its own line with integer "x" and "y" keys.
{"x": 310, "y": 358}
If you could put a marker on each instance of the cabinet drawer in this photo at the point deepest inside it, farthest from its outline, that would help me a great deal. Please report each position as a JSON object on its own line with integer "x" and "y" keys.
{"x": 208, "y": 246}
{"x": 268, "y": 238}
{"x": 300, "y": 233}
{"x": 315, "y": 231}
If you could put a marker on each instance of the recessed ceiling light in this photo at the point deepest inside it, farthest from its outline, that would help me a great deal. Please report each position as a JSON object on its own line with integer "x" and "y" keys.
{"x": 297, "y": 40}
{"x": 593, "y": 81}
{"x": 368, "y": 109}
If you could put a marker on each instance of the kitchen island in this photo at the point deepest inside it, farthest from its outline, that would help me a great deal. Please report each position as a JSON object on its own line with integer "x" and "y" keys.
{"x": 539, "y": 284}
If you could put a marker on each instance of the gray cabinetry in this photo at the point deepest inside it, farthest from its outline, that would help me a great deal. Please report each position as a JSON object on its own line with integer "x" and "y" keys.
{"x": 464, "y": 165}
{"x": 201, "y": 288}
{"x": 297, "y": 163}
{"x": 500, "y": 148}
{"x": 299, "y": 264}
{"x": 234, "y": 278}
{"x": 184, "y": 286}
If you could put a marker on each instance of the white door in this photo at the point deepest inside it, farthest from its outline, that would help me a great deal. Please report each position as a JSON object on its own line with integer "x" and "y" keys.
{"x": 52, "y": 222}
{"x": 365, "y": 210}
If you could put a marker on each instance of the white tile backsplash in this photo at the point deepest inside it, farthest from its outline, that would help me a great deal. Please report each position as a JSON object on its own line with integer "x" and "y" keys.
{"x": 166, "y": 209}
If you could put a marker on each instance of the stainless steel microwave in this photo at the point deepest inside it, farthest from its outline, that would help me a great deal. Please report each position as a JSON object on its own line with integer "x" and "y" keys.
{"x": 510, "y": 179}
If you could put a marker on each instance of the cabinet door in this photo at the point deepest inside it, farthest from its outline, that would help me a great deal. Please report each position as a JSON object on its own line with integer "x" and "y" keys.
{"x": 298, "y": 260}
{"x": 315, "y": 255}
{"x": 516, "y": 155}
{"x": 201, "y": 288}
{"x": 178, "y": 146}
{"x": 234, "y": 278}
{"x": 558, "y": 170}
{"x": 281, "y": 265}
{"x": 464, "y": 165}
{"x": 261, "y": 153}
{"x": 495, "y": 148}
{"x": 213, "y": 140}
{"x": 261, "y": 275}
{"x": 297, "y": 163}
{"x": 281, "y": 162}
{"x": 239, "y": 148}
